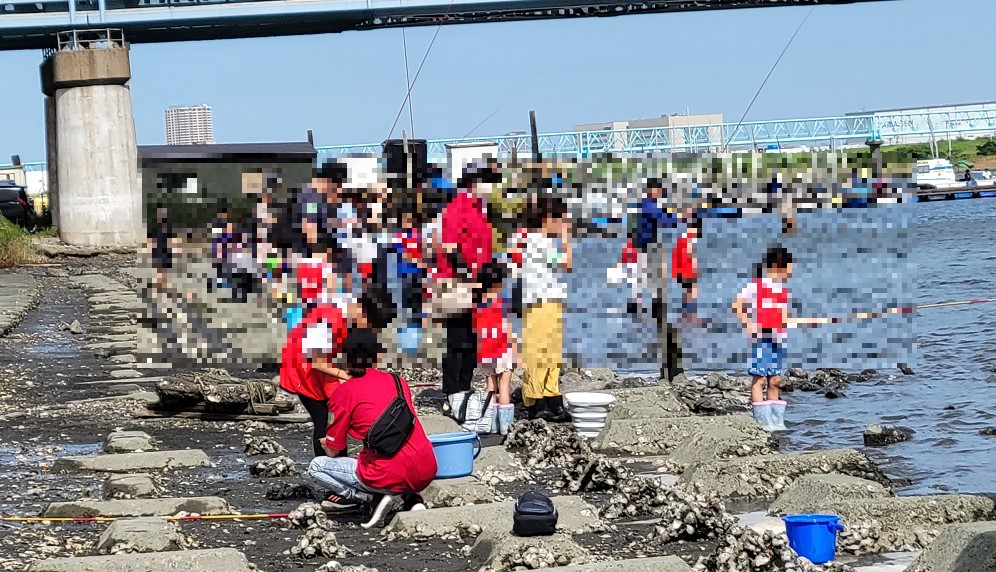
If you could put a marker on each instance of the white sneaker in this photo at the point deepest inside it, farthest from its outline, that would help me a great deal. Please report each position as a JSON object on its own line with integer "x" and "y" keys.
{"x": 379, "y": 509}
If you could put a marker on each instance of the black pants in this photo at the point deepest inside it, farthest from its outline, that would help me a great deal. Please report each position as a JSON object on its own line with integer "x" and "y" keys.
{"x": 412, "y": 295}
{"x": 318, "y": 409}
{"x": 460, "y": 358}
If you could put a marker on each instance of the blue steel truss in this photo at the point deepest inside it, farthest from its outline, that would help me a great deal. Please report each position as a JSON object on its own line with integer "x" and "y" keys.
{"x": 33, "y": 24}
{"x": 829, "y": 132}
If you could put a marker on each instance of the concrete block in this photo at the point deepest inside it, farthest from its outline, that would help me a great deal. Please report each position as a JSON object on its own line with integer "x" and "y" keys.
{"x": 658, "y": 436}
{"x": 575, "y": 516}
{"x": 652, "y": 401}
{"x": 809, "y": 492}
{"x": 902, "y": 524}
{"x": 132, "y": 508}
{"x": 439, "y": 424}
{"x": 767, "y": 475}
{"x": 657, "y": 564}
{"x": 969, "y": 547}
{"x": 142, "y": 535}
{"x": 499, "y": 549}
{"x": 718, "y": 443}
{"x": 129, "y": 442}
{"x": 216, "y": 560}
{"x": 133, "y": 462}
{"x": 459, "y": 492}
{"x": 135, "y": 486}
{"x": 125, "y": 374}
{"x": 496, "y": 458}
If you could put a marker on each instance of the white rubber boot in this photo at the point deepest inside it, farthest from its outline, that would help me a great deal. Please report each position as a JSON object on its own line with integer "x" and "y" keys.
{"x": 778, "y": 415}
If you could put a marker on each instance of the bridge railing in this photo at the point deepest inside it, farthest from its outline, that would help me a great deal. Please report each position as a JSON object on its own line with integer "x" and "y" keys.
{"x": 819, "y": 131}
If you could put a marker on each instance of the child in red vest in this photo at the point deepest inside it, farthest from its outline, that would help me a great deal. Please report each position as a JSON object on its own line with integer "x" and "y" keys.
{"x": 762, "y": 307}
{"x": 495, "y": 342}
{"x": 685, "y": 267}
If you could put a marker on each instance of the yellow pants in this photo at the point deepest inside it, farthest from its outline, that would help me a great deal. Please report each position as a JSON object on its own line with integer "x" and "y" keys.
{"x": 542, "y": 350}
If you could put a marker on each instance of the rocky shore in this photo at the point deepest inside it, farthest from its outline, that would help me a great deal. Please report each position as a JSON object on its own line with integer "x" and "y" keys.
{"x": 680, "y": 479}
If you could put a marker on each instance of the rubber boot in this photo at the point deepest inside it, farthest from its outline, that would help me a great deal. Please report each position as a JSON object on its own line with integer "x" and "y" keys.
{"x": 538, "y": 410}
{"x": 762, "y": 414}
{"x": 555, "y": 405}
{"x": 778, "y": 415}
{"x": 494, "y": 419}
{"x": 506, "y": 417}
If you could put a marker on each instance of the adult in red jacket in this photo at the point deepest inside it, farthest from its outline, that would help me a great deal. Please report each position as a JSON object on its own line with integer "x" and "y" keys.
{"x": 371, "y": 478}
{"x": 466, "y": 241}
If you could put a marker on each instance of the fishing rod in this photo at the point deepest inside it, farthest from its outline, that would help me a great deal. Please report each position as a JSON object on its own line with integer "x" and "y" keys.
{"x": 889, "y": 311}
{"x": 418, "y": 72}
{"x": 29, "y": 519}
{"x": 771, "y": 71}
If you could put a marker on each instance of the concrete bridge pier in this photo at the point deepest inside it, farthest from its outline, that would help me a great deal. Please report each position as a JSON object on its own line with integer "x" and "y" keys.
{"x": 90, "y": 133}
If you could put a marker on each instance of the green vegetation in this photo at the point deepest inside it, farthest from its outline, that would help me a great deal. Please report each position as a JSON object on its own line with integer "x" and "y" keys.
{"x": 976, "y": 152}
{"x": 15, "y": 244}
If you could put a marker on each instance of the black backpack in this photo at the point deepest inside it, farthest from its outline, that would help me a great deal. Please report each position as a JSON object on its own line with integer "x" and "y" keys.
{"x": 392, "y": 428}
{"x": 535, "y": 515}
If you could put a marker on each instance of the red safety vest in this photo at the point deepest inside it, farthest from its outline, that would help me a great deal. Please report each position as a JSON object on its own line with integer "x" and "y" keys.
{"x": 311, "y": 279}
{"x": 771, "y": 307}
{"x": 492, "y": 339}
{"x": 296, "y": 374}
{"x": 682, "y": 265}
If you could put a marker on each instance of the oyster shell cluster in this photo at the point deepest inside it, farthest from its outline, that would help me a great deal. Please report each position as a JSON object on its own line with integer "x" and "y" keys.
{"x": 317, "y": 541}
{"x": 263, "y": 446}
{"x": 276, "y": 467}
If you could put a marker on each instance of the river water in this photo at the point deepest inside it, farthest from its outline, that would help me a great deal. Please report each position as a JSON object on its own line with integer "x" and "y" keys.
{"x": 850, "y": 261}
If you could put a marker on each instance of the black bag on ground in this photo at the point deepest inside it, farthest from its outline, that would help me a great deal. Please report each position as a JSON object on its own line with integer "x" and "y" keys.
{"x": 535, "y": 515}
{"x": 392, "y": 427}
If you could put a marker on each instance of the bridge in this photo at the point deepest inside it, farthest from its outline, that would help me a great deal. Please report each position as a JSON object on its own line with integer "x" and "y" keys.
{"x": 826, "y": 132}
{"x": 34, "y": 24}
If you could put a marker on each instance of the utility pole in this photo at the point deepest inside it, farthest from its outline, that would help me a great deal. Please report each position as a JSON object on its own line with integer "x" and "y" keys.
{"x": 532, "y": 128}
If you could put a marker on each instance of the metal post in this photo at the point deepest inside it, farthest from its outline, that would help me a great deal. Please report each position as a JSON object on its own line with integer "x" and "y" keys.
{"x": 532, "y": 129}
{"x": 72, "y": 16}
{"x": 101, "y": 7}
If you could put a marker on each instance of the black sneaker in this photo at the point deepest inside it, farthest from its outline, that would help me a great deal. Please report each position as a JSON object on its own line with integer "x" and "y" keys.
{"x": 380, "y": 504}
{"x": 412, "y": 502}
{"x": 336, "y": 502}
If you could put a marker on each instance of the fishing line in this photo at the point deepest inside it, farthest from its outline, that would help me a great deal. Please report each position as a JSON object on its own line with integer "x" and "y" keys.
{"x": 483, "y": 121}
{"x": 115, "y": 518}
{"x": 893, "y": 310}
{"x": 419, "y": 70}
{"x": 408, "y": 80}
{"x": 771, "y": 71}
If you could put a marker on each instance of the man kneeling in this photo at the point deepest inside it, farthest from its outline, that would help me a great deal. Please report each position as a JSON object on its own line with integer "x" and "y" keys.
{"x": 375, "y": 479}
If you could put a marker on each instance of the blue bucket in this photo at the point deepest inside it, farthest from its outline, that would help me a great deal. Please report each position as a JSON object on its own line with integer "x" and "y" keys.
{"x": 813, "y": 536}
{"x": 455, "y": 453}
{"x": 293, "y": 316}
{"x": 409, "y": 339}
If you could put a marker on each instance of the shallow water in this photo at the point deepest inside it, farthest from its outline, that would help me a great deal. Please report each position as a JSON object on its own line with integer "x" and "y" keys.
{"x": 852, "y": 261}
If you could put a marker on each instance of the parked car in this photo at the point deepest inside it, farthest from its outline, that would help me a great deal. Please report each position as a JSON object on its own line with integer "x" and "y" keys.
{"x": 14, "y": 204}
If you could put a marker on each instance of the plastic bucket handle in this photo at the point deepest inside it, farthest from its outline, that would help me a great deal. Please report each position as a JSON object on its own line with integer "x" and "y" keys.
{"x": 477, "y": 444}
{"x": 835, "y": 527}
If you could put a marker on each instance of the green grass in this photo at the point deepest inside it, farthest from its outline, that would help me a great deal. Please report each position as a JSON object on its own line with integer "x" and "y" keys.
{"x": 49, "y": 232}
{"x": 954, "y": 150}
{"x": 15, "y": 244}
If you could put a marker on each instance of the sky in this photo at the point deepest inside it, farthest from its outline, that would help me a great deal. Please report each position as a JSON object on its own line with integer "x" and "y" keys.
{"x": 349, "y": 87}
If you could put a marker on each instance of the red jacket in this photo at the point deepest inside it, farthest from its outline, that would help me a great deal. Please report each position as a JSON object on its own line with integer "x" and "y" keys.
{"x": 296, "y": 374}
{"x": 357, "y": 404}
{"x": 465, "y": 225}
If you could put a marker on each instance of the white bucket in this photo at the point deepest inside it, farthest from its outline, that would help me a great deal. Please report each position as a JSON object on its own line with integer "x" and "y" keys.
{"x": 588, "y": 411}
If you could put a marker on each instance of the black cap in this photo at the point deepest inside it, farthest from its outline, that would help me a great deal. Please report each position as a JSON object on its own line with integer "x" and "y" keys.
{"x": 361, "y": 348}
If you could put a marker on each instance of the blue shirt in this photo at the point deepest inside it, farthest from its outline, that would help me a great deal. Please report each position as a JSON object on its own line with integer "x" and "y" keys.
{"x": 649, "y": 221}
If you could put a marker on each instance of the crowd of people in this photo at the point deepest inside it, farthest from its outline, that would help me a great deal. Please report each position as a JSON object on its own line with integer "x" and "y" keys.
{"x": 324, "y": 254}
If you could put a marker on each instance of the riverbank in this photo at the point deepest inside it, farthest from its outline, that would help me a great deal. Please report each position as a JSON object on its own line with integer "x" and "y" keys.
{"x": 62, "y": 399}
